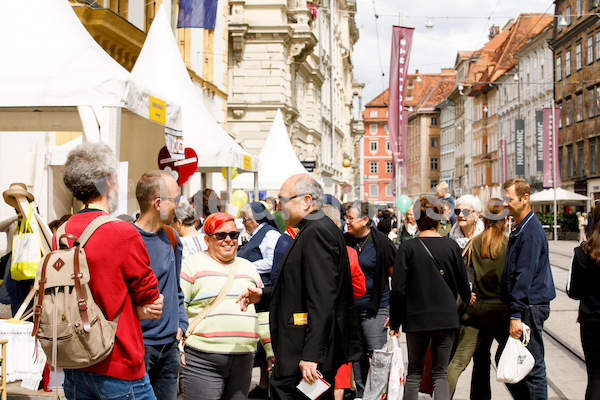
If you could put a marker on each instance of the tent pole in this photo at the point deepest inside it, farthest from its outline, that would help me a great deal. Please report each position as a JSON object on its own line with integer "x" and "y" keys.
{"x": 229, "y": 191}
{"x": 255, "y": 185}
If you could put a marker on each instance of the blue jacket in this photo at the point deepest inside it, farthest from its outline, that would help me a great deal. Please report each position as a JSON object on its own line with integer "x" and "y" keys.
{"x": 527, "y": 278}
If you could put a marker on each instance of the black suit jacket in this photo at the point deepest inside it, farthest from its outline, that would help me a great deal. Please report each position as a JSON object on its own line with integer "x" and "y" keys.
{"x": 313, "y": 279}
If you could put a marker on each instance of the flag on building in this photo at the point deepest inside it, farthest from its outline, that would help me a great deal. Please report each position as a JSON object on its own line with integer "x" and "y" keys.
{"x": 197, "y": 14}
{"x": 551, "y": 116}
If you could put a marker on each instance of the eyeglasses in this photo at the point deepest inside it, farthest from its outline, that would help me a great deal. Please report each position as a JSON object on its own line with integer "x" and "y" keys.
{"x": 244, "y": 219}
{"x": 176, "y": 200}
{"x": 350, "y": 219}
{"x": 464, "y": 211}
{"x": 286, "y": 199}
{"x": 222, "y": 235}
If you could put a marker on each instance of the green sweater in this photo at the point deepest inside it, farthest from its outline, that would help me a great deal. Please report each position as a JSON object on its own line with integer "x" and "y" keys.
{"x": 226, "y": 329}
{"x": 488, "y": 271}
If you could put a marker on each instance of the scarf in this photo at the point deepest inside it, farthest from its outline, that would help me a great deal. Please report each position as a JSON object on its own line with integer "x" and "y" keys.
{"x": 457, "y": 235}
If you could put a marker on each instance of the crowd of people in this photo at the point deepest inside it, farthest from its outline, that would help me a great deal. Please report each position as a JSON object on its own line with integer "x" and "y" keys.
{"x": 307, "y": 288}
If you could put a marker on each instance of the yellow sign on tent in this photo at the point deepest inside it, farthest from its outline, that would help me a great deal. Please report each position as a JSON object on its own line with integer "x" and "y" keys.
{"x": 247, "y": 162}
{"x": 158, "y": 110}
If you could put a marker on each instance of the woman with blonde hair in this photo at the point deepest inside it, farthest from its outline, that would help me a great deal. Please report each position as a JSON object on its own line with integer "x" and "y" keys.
{"x": 482, "y": 320}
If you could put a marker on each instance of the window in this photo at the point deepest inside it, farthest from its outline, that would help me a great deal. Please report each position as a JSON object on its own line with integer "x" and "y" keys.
{"x": 386, "y": 129}
{"x": 590, "y": 49}
{"x": 569, "y": 112}
{"x": 435, "y": 141}
{"x": 578, "y": 55}
{"x": 597, "y": 100}
{"x": 386, "y": 113}
{"x": 373, "y": 167}
{"x": 388, "y": 190}
{"x": 558, "y": 68}
{"x": 373, "y": 146}
{"x": 389, "y": 167}
{"x": 592, "y": 156}
{"x": 373, "y": 114}
{"x": 560, "y": 161}
{"x": 579, "y": 107}
{"x": 373, "y": 190}
{"x": 568, "y": 12}
{"x": 591, "y": 102}
{"x": 597, "y": 45}
{"x": 579, "y": 6}
{"x": 388, "y": 147}
{"x": 434, "y": 121}
{"x": 570, "y": 161}
{"x": 372, "y": 129}
{"x": 434, "y": 183}
{"x": 568, "y": 63}
{"x": 580, "y": 158}
{"x": 433, "y": 163}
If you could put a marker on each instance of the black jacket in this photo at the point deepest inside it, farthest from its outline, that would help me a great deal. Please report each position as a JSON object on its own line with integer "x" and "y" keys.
{"x": 314, "y": 283}
{"x": 583, "y": 286}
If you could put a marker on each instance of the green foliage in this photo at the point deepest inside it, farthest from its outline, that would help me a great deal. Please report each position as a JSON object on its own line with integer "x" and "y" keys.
{"x": 566, "y": 222}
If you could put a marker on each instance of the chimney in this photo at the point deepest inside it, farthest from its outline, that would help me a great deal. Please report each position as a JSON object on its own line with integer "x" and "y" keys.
{"x": 494, "y": 31}
{"x": 416, "y": 72}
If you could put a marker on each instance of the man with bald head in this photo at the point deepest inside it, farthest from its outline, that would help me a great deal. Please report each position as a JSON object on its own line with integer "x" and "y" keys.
{"x": 314, "y": 325}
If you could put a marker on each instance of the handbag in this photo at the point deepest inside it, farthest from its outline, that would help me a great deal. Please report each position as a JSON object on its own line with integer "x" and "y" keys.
{"x": 26, "y": 251}
{"x": 516, "y": 361}
{"x": 397, "y": 371}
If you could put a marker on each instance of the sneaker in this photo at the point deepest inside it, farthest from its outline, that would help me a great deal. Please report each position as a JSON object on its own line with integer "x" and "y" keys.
{"x": 258, "y": 393}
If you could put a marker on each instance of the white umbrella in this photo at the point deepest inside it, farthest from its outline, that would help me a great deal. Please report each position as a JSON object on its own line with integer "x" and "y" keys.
{"x": 562, "y": 197}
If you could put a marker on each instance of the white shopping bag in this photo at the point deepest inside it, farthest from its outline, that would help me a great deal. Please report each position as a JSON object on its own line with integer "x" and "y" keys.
{"x": 397, "y": 371}
{"x": 516, "y": 361}
{"x": 376, "y": 386}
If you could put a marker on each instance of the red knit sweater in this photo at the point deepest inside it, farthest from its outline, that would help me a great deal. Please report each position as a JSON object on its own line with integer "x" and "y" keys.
{"x": 120, "y": 277}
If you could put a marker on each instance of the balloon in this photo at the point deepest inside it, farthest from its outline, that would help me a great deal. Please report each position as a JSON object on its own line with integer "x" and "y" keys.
{"x": 224, "y": 172}
{"x": 239, "y": 198}
{"x": 403, "y": 203}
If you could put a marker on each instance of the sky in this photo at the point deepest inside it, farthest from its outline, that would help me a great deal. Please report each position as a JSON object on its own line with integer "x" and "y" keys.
{"x": 458, "y": 25}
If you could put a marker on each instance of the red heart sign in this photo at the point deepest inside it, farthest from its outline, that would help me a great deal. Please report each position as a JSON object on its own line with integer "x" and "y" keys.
{"x": 181, "y": 170}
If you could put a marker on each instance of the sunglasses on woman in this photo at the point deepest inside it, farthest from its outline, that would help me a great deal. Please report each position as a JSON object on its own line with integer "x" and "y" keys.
{"x": 464, "y": 211}
{"x": 222, "y": 235}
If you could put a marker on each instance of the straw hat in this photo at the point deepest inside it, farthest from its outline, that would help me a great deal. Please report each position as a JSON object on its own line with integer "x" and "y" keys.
{"x": 16, "y": 189}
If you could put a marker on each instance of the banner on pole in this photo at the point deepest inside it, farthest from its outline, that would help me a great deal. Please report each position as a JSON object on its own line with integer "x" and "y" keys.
{"x": 539, "y": 143}
{"x": 397, "y": 117}
{"x": 197, "y": 14}
{"x": 550, "y": 126}
{"x": 520, "y": 147}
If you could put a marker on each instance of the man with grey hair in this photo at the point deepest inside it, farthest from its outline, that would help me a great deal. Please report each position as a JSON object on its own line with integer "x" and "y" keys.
{"x": 121, "y": 280}
{"x": 309, "y": 338}
{"x": 157, "y": 194}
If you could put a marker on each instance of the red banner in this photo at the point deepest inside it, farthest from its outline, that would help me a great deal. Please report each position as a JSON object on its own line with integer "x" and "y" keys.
{"x": 397, "y": 117}
{"x": 550, "y": 130}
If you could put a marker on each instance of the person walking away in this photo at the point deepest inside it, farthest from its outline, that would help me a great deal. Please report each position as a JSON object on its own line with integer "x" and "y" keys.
{"x": 442, "y": 190}
{"x": 385, "y": 225}
{"x": 121, "y": 279}
{"x": 409, "y": 229}
{"x": 314, "y": 326}
{"x": 527, "y": 286}
{"x": 217, "y": 357}
{"x": 482, "y": 321}
{"x": 157, "y": 194}
{"x": 584, "y": 279}
{"x": 376, "y": 254}
{"x": 192, "y": 241}
{"x": 428, "y": 275}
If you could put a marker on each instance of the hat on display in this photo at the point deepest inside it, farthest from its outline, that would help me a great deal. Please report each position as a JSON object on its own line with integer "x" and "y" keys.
{"x": 16, "y": 189}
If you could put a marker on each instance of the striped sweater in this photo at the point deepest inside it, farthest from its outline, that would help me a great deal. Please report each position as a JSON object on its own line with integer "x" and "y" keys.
{"x": 226, "y": 329}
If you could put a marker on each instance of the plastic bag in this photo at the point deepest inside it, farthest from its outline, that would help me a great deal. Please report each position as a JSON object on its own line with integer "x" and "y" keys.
{"x": 516, "y": 361}
{"x": 387, "y": 373}
{"x": 26, "y": 252}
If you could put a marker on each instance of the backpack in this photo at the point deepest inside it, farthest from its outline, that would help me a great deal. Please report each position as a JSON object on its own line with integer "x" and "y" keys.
{"x": 73, "y": 331}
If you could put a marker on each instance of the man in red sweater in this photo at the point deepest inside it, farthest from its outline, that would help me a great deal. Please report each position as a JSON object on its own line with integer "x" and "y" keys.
{"x": 121, "y": 280}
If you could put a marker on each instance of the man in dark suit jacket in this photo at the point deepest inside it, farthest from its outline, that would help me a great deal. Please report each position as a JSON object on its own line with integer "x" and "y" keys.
{"x": 314, "y": 325}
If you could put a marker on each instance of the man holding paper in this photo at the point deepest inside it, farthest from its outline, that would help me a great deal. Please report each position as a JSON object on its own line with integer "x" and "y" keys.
{"x": 314, "y": 325}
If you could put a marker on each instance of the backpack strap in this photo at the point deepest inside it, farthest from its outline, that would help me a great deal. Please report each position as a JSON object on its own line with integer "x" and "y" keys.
{"x": 92, "y": 226}
{"x": 171, "y": 234}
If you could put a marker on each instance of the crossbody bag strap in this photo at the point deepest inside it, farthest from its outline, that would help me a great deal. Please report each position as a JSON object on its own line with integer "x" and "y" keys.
{"x": 440, "y": 269}
{"x": 215, "y": 301}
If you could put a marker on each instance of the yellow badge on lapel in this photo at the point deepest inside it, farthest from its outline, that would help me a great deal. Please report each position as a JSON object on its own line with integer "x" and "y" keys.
{"x": 301, "y": 319}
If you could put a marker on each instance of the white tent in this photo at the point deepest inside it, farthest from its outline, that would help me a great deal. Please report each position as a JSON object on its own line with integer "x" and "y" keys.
{"x": 55, "y": 77}
{"x": 563, "y": 197}
{"x": 278, "y": 160}
{"x": 160, "y": 65}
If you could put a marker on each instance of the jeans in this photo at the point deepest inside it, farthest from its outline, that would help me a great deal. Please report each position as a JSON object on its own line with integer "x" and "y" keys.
{"x": 535, "y": 385}
{"x": 417, "y": 343}
{"x": 83, "y": 385}
{"x": 374, "y": 338}
{"x": 162, "y": 367}
{"x": 590, "y": 339}
{"x": 210, "y": 376}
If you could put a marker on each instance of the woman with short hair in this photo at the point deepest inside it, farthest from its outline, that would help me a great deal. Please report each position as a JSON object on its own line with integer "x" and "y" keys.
{"x": 184, "y": 224}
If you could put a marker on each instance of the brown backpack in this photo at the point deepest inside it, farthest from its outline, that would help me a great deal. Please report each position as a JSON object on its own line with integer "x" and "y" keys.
{"x": 70, "y": 326}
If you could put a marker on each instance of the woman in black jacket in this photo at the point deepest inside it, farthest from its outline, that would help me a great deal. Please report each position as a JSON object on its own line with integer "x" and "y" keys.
{"x": 584, "y": 279}
{"x": 376, "y": 254}
{"x": 428, "y": 275}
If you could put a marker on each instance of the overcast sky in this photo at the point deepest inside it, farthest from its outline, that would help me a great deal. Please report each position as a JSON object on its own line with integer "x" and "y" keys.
{"x": 458, "y": 25}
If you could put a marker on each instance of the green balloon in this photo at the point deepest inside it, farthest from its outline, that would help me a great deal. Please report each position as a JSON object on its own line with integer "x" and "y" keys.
{"x": 403, "y": 203}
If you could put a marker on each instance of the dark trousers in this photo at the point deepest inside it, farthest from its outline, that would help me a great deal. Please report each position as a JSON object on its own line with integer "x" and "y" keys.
{"x": 535, "y": 385}
{"x": 590, "y": 339}
{"x": 284, "y": 387}
{"x": 162, "y": 367}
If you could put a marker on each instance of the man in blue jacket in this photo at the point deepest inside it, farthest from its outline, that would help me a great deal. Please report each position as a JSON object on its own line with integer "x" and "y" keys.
{"x": 527, "y": 285}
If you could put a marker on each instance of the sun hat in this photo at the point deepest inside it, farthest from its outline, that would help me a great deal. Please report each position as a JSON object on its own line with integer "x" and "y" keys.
{"x": 16, "y": 189}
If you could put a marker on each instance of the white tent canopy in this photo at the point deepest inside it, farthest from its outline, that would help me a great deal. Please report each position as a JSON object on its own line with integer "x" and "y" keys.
{"x": 50, "y": 60}
{"x": 160, "y": 66}
{"x": 278, "y": 160}
{"x": 563, "y": 197}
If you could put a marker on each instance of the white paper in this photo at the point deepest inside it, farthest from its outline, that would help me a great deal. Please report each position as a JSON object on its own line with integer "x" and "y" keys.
{"x": 316, "y": 389}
